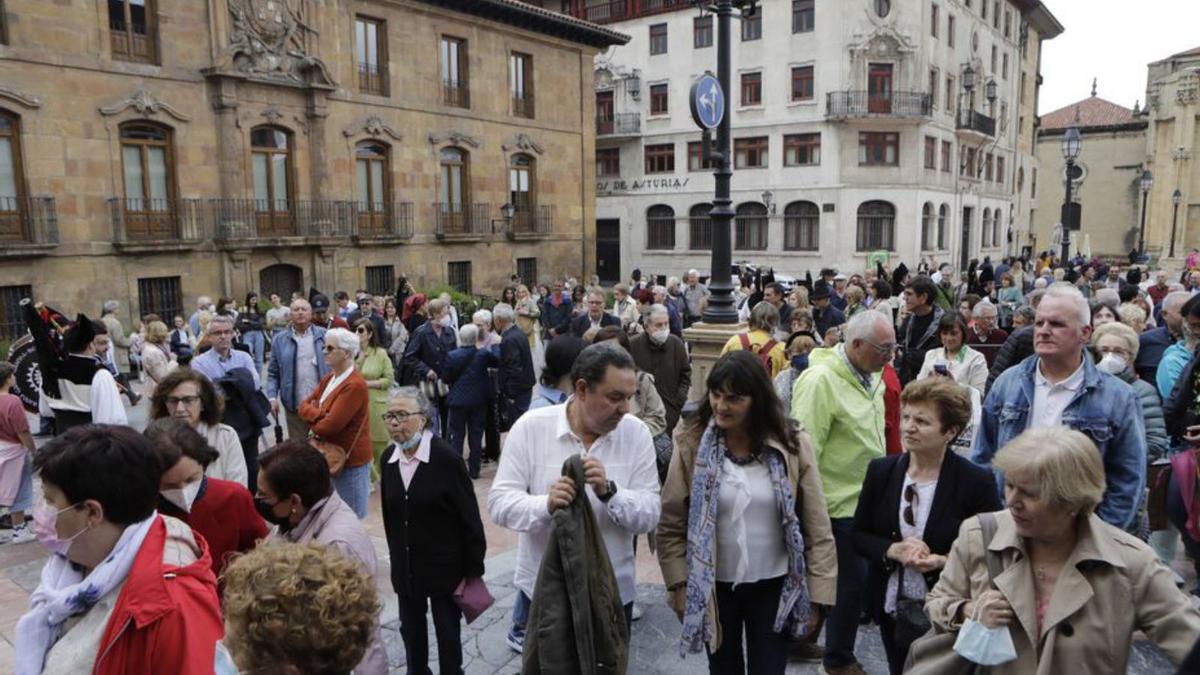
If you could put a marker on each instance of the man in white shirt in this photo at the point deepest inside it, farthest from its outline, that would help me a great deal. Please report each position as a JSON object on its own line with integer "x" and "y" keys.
{"x": 619, "y": 462}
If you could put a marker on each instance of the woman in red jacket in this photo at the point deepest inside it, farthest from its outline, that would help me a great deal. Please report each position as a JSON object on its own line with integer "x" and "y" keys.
{"x": 337, "y": 411}
{"x": 221, "y": 511}
{"x": 137, "y": 587}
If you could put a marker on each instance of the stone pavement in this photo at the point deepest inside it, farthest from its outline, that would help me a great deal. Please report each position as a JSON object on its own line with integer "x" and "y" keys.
{"x": 654, "y": 646}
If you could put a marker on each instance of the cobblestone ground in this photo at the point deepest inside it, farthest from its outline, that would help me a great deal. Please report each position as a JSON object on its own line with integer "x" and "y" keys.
{"x": 654, "y": 648}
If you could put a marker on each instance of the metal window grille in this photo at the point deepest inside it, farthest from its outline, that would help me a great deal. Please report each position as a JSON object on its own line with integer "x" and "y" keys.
{"x": 876, "y": 227}
{"x": 12, "y": 326}
{"x": 379, "y": 279}
{"x": 527, "y": 269}
{"x": 660, "y": 227}
{"x": 459, "y": 274}
{"x": 160, "y": 295}
{"x": 801, "y": 227}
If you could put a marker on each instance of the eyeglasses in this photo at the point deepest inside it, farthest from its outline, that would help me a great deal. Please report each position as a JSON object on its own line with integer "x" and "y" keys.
{"x": 329, "y": 348}
{"x": 888, "y": 348}
{"x": 174, "y": 401}
{"x": 398, "y": 416}
{"x": 910, "y": 496}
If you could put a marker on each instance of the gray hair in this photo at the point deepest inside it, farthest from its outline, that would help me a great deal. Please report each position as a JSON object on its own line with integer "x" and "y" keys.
{"x": 862, "y": 325}
{"x": 986, "y": 307}
{"x": 468, "y": 335}
{"x": 660, "y": 289}
{"x": 482, "y": 315}
{"x": 223, "y": 318}
{"x": 592, "y": 363}
{"x": 1029, "y": 313}
{"x": 504, "y": 312}
{"x": 110, "y": 306}
{"x": 1175, "y": 300}
{"x": 408, "y": 393}
{"x": 596, "y": 292}
{"x": 1108, "y": 296}
{"x": 203, "y": 301}
{"x": 658, "y": 310}
{"x": 340, "y": 338}
{"x": 764, "y": 316}
{"x": 1067, "y": 291}
{"x": 437, "y": 306}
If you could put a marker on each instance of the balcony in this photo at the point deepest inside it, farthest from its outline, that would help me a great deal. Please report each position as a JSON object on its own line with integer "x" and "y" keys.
{"x": 976, "y": 122}
{"x": 372, "y": 79}
{"x": 522, "y": 105}
{"x": 146, "y": 225}
{"x": 131, "y": 42}
{"x": 456, "y": 93}
{"x": 462, "y": 222}
{"x": 606, "y": 11}
{"x": 28, "y": 226}
{"x": 531, "y": 222}
{"x": 842, "y": 105}
{"x": 260, "y": 222}
{"x": 383, "y": 222}
{"x": 621, "y": 124}
{"x": 602, "y": 12}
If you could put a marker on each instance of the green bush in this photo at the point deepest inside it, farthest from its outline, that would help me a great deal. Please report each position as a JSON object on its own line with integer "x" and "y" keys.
{"x": 464, "y": 303}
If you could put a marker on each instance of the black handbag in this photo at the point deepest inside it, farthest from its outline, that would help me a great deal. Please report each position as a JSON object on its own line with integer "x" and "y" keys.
{"x": 911, "y": 620}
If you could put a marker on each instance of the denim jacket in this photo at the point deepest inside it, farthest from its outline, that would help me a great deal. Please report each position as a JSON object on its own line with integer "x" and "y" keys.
{"x": 281, "y": 371}
{"x": 1105, "y": 409}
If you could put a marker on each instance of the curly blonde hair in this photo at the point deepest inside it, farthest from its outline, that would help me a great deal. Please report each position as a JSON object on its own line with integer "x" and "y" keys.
{"x": 302, "y": 604}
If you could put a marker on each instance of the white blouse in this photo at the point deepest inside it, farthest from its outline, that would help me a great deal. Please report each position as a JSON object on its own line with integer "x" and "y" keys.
{"x": 747, "y": 512}
{"x": 914, "y": 581}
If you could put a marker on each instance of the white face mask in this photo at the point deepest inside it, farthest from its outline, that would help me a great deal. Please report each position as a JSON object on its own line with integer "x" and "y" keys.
{"x": 986, "y": 646}
{"x": 445, "y": 321}
{"x": 660, "y": 337}
{"x": 1112, "y": 364}
{"x": 183, "y": 497}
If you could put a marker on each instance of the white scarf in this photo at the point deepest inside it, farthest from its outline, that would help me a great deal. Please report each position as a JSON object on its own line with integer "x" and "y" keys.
{"x": 64, "y": 592}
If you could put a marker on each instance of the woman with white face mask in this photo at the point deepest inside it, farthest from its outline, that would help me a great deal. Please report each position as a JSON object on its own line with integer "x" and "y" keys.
{"x": 221, "y": 511}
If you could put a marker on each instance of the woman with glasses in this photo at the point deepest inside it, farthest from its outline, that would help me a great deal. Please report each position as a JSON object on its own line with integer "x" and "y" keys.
{"x": 911, "y": 507}
{"x": 955, "y": 358}
{"x": 187, "y": 395}
{"x": 434, "y": 532}
{"x": 336, "y": 412}
{"x": 374, "y": 365}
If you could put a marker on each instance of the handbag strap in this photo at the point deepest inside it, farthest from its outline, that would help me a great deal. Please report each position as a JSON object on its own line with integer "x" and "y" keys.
{"x": 987, "y": 523}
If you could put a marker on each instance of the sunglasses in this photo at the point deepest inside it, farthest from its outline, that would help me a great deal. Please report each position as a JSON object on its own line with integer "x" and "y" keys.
{"x": 910, "y": 496}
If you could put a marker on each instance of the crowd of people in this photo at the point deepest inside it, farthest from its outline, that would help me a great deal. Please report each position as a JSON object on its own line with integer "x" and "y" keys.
{"x": 994, "y": 464}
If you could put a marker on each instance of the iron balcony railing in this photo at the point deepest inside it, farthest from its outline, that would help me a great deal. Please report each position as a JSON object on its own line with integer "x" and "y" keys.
{"x": 28, "y": 220}
{"x": 383, "y": 219}
{"x": 149, "y": 220}
{"x": 261, "y": 218}
{"x": 372, "y": 79}
{"x": 621, "y": 123}
{"x": 523, "y": 105}
{"x": 532, "y": 221}
{"x": 970, "y": 120}
{"x": 613, "y": 10}
{"x": 462, "y": 220}
{"x": 847, "y": 104}
{"x": 456, "y": 93}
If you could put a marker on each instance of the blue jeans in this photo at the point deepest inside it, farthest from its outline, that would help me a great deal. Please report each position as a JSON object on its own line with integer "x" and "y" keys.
{"x": 468, "y": 422}
{"x": 354, "y": 487}
{"x": 752, "y": 606}
{"x": 24, "y": 499}
{"x": 841, "y": 628}
{"x": 257, "y": 343}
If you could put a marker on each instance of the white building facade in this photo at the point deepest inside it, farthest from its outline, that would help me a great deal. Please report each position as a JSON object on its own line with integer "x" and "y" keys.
{"x": 859, "y": 126}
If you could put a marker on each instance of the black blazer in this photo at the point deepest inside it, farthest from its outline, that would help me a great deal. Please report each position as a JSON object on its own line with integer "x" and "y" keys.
{"x": 433, "y": 529}
{"x": 963, "y": 490}
{"x": 581, "y": 323}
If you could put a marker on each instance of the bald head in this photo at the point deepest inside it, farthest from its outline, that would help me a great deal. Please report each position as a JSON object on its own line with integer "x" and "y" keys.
{"x": 301, "y": 314}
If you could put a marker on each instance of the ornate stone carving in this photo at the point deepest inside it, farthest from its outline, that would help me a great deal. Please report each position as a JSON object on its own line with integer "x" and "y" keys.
{"x": 268, "y": 39}
{"x": 455, "y": 137}
{"x": 21, "y": 98}
{"x": 523, "y": 142}
{"x": 372, "y": 126}
{"x": 272, "y": 114}
{"x": 145, "y": 104}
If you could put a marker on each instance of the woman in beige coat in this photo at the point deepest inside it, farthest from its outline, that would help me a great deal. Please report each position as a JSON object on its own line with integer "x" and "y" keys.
{"x": 157, "y": 359}
{"x": 743, "y": 523}
{"x": 1072, "y": 589}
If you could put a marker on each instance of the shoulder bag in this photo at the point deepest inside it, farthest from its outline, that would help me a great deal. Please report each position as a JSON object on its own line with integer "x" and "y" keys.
{"x": 335, "y": 455}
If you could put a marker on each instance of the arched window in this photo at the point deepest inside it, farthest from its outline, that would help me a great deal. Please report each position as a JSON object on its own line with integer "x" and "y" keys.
{"x": 271, "y": 162}
{"x": 660, "y": 227}
{"x": 700, "y": 228}
{"x": 927, "y": 227}
{"x": 987, "y": 228}
{"x": 751, "y": 222}
{"x": 876, "y": 226}
{"x": 454, "y": 190}
{"x": 801, "y": 227}
{"x": 12, "y": 179}
{"x": 373, "y": 185}
{"x": 521, "y": 183}
{"x": 147, "y": 165}
{"x": 943, "y": 217}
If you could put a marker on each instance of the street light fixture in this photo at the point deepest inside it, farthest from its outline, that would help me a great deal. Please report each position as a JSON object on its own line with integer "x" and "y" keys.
{"x": 1072, "y": 144}
{"x": 1176, "y": 198}
{"x": 968, "y": 78}
{"x": 990, "y": 92}
{"x": 1147, "y": 183}
{"x": 768, "y": 200}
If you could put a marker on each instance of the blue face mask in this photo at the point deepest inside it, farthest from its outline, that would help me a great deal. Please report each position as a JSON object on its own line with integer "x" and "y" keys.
{"x": 800, "y": 362}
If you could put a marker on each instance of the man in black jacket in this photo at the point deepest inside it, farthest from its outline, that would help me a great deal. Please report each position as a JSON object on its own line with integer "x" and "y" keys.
{"x": 919, "y": 332}
{"x": 595, "y": 316}
{"x": 516, "y": 378}
{"x": 366, "y": 309}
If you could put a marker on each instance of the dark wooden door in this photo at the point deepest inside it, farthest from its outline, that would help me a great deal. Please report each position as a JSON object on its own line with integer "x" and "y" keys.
{"x": 604, "y": 112}
{"x": 281, "y": 279}
{"x": 879, "y": 88}
{"x": 608, "y": 251}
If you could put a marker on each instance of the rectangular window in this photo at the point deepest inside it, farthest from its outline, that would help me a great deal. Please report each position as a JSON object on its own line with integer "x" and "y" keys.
{"x": 950, "y": 94}
{"x": 659, "y": 99}
{"x": 12, "y": 321}
{"x": 702, "y": 31}
{"x": 951, "y": 25}
{"x": 660, "y": 158}
{"x": 1033, "y": 185}
{"x": 454, "y": 72}
{"x": 996, "y": 15}
{"x": 995, "y": 59}
{"x": 989, "y": 168}
{"x": 878, "y": 148}
{"x": 935, "y": 17}
{"x": 983, "y": 10}
{"x": 803, "y": 16}
{"x": 133, "y": 30}
{"x": 802, "y": 149}
{"x": 969, "y": 165}
{"x": 1021, "y": 91}
{"x": 160, "y": 295}
{"x": 520, "y": 77}
{"x": 608, "y": 162}
{"x": 802, "y": 83}
{"x": 1008, "y": 23}
{"x": 934, "y": 79}
{"x": 752, "y": 27}
{"x": 751, "y": 89}
{"x": 1004, "y": 66}
{"x": 527, "y": 269}
{"x": 658, "y": 39}
{"x": 947, "y": 155}
{"x": 931, "y": 146}
{"x": 750, "y": 153}
{"x": 379, "y": 279}
{"x": 1000, "y": 170}
{"x": 370, "y": 51}
{"x": 459, "y": 275}
{"x": 696, "y": 160}
{"x": 3, "y": 24}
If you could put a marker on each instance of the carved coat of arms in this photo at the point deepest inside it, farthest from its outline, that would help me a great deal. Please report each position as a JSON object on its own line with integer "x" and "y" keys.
{"x": 267, "y": 38}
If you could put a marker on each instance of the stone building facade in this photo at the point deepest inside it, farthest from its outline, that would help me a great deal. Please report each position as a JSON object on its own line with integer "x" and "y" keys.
{"x": 1172, "y": 141}
{"x": 155, "y": 150}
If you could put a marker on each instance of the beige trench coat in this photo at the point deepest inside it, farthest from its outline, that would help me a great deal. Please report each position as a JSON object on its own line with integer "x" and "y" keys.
{"x": 1111, "y": 586}
{"x": 820, "y": 554}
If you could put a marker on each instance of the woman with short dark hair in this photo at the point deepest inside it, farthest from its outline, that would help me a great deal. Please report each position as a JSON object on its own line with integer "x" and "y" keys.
{"x": 188, "y": 395}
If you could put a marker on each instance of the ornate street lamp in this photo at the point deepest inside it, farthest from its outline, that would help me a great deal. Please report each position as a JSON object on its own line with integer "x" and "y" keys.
{"x": 1071, "y": 145}
{"x": 989, "y": 91}
{"x": 1176, "y": 198}
{"x": 768, "y": 200}
{"x": 1147, "y": 183}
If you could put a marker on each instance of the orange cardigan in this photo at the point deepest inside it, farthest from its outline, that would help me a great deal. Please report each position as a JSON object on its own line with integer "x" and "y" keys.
{"x": 343, "y": 415}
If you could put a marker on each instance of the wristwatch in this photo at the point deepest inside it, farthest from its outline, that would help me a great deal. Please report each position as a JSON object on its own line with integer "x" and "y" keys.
{"x": 612, "y": 490}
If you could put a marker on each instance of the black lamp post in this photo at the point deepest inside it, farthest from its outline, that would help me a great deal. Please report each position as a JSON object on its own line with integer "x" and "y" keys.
{"x": 1147, "y": 183}
{"x": 1072, "y": 143}
{"x": 1176, "y": 198}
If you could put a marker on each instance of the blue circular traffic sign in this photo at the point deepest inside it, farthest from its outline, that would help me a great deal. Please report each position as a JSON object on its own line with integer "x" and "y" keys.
{"x": 708, "y": 102}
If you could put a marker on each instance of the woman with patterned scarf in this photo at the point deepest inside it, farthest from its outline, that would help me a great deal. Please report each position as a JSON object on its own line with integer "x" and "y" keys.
{"x": 744, "y": 541}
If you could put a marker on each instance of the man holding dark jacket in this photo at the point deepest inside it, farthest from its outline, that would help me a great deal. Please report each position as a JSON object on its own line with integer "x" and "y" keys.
{"x": 919, "y": 332}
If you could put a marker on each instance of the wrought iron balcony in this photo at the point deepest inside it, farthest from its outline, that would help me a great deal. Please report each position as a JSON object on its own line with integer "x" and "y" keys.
{"x": 617, "y": 10}
{"x": 858, "y": 104}
{"x": 372, "y": 79}
{"x": 462, "y": 221}
{"x": 264, "y": 220}
{"x": 977, "y": 122}
{"x": 158, "y": 223}
{"x": 28, "y": 226}
{"x": 619, "y": 125}
{"x": 602, "y": 12}
{"x": 383, "y": 220}
{"x": 456, "y": 93}
{"x": 531, "y": 222}
{"x": 522, "y": 105}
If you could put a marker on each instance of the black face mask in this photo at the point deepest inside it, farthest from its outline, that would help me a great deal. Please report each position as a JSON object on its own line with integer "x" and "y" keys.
{"x": 267, "y": 512}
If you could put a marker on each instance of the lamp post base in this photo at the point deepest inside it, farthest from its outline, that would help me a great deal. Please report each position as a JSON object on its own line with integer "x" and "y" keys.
{"x": 705, "y": 342}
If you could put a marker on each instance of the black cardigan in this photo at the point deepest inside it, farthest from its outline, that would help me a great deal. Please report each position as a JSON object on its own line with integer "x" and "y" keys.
{"x": 434, "y": 532}
{"x": 963, "y": 490}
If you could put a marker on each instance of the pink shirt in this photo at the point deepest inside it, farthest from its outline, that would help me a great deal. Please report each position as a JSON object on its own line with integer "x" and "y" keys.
{"x": 12, "y": 418}
{"x": 408, "y": 465}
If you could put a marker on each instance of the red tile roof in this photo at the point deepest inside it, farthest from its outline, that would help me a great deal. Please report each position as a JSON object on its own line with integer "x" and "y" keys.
{"x": 1093, "y": 112}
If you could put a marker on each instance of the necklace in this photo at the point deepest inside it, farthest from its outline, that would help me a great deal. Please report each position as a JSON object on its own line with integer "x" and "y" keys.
{"x": 741, "y": 461}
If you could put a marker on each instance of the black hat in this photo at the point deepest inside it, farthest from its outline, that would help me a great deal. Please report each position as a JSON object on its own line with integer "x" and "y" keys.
{"x": 319, "y": 303}
{"x": 80, "y": 335}
{"x": 820, "y": 291}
